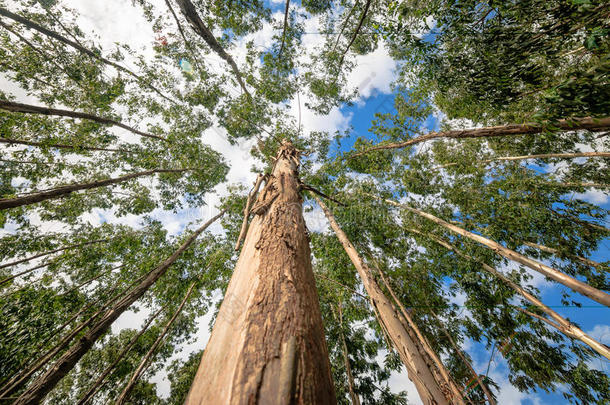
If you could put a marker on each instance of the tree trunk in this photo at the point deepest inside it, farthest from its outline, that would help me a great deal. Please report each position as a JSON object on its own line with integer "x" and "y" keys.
{"x": 149, "y": 355}
{"x": 27, "y": 259}
{"x": 47, "y": 381}
{"x": 26, "y": 271}
{"x": 561, "y": 324}
{"x": 542, "y": 156}
{"x": 58, "y": 145}
{"x": 52, "y": 34}
{"x": 348, "y": 368}
{"x": 99, "y": 382}
{"x": 475, "y": 375}
{"x": 32, "y": 109}
{"x": 440, "y": 368}
{"x": 190, "y": 13}
{"x": 590, "y": 124}
{"x": 559, "y": 254}
{"x": 267, "y": 345}
{"x": 411, "y": 354}
{"x": 62, "y": 191}
{"x": 554, "y": 274}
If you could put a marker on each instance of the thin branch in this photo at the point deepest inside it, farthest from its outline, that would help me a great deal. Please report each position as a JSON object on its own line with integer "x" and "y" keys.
{"x": 541, "y": 156}
{"x": 321, "y": 194}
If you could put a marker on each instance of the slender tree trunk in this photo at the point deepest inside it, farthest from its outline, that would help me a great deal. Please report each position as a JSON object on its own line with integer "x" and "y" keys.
{"x": 411, "y": 354}
{"x": 100, "y": 380}
{"x": 561, "y": 324}
{"x": 557, "y": 253}
{"x": 26, "y": 271}
{"x": 440, "y": 368}
{"x": 348, "y": 368}
{"x": 47, "y": 381}
{"x": 286, "y": 12}
{"x": 554, "y": 274}
{"x": 62, "y": 191}
{"x": 475, "y": 375}
{"x": 542, "y": 156}
{"x": 590, "y": 124}
{"x": 32, "y": 109}
{"x": 190, "y": 13}
{"x": 267, "y": 345}
{"x": 92, "y": 279}
{"x": 149, "y": 355}
{"x": 58, "y": 145}
{"x": 367, "y": 5}
{"x": 27, "y": 259}
{"x": 52, "y": 34}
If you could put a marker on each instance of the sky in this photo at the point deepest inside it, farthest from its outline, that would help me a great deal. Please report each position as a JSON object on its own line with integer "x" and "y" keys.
{"x": 118, "y": 20}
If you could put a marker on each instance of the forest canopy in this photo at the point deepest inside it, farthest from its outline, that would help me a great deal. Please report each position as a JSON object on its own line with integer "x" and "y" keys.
{"x": 318, "y": 201}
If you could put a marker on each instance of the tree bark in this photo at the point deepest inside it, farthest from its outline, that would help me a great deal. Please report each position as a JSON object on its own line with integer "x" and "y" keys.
{"x": 588, "y": 123}
{"x": 542, "y": 156}
{"x": 149, "y": 355}
{"x": 52, "y": 34}
{"x": 62, "y": 191}
{"x": 33, "y": 109}
{"x": 554, "y": 274}
{"x": 411, "y": 354}
{"x": 27, "y": 259}
{"x": 348, "y": 367}
{"x": 251, "y": 196}
{"x": 440, "y": 368}
{"x": 191, "y": 15}
{"x": 100, "y": 380}
{"x": 561, "y": 324}
{"x": 267, "y": 345}
{"x": 59, "y": 145}
{"x": 47, "y": 381}
{"x": 558, "y": 253}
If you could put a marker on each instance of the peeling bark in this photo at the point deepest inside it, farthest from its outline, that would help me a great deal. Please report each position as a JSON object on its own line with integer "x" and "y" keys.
{"x": 267, "y": 345}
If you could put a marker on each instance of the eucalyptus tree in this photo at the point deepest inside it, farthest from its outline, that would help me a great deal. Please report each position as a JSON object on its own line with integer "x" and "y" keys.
{"x": 111, "y": 131}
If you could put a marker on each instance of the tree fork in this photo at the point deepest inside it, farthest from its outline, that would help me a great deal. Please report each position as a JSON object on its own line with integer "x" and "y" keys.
{"x": 588, "y": 123}
{"x": 267, "y": 345}
{"x": 47, "y": 381}
{"x": 430, "y": 392}
{"x": 554, "y": 274}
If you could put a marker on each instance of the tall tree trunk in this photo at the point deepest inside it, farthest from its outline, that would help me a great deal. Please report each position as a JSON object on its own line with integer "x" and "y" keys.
{"x": 48, "y": 252}
{"x": 348, "y": 367}
{"x": 440, "y": 367}
{"x": 267, "y": 345}
{"x": 149, "y": 355}
{"x": 541, "y": 156}
{"x": 62, "y": 191}
{"x": 559, "y": 254}
{"x": 58, "y": 145}
{"x": 33, "y": 109}
{"x": 554, "y": 274}
{"x": 430, "y": 390}
{"x": 475, "y": 375}
{"x": 47, "y": 381}
{"x": 190, "y": 13}
{"x": 100, "y": 380}
{"x": 52, "y": 34}
{"x": 590, "y": 124}
{"x": 560, "y": 323}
